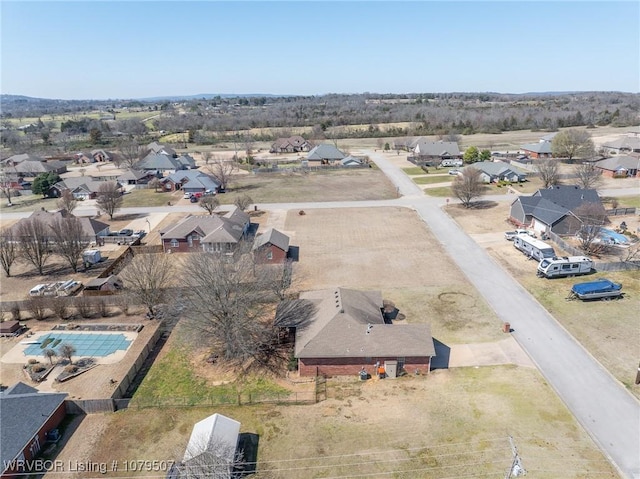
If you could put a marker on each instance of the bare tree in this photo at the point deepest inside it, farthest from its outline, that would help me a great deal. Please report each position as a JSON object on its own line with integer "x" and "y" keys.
{"x": 70, "y": 239}
{"x": 60, "y": 307}
{"x": 155, "y": 184}
{"x": 222, "y": 170}
{"x": 248, "y": 142}
{"x": 109, "y": 198}
{"x": 9, "y": 250}
{"x": 572, "y": 143}
{"x": 588, "y": 176}
{"x": 148, "y": 278}
{"x": 35, "y": 242}
{"x": 243, "y": 201}
{"x": 209, "y": 203}
{"x": 468, "y": 186}
{"x": 592, "y": 218}
{"x": 6, "y": 187}
{"x": 131, "y": 152}
{"x": 67, "y": 351}
{"x": 37, "y": 306}
{"x": 278, "y": 277}
{"x": 206, "y": 157}
{"x": 549, "y": 172}
{"x": 227, "y": 305}
{"x": 50, "y": 354}
{"x": 67, "y": 202}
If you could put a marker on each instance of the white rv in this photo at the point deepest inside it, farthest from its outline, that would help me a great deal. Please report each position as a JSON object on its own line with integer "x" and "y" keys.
{"x": 565, "y": 266}
{"x": 451, "y": 162}
{"x": 532, "y": 247}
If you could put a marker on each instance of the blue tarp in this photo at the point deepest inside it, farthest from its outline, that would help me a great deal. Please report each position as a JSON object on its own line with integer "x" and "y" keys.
{"x": 599, "y": 286}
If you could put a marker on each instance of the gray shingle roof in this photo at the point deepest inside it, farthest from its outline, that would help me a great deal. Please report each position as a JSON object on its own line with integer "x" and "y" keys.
{"x": 497, "y": 168}
{"x": 619, "y": 162}
{"x": 194, "y": 179}
{"x": 274, "y": 237}
{"x": 23, "y": 411}
{"x": 211, "y": 228}
{"x": 437, "y": 148}
{"x": 90, "y": 226}
{"x": 626, "y": 142}
{"x": 570, "y": 197}
{"x": 158, "y": 161}
{"x": 339, "y": 328}
{"x": 325, "y": 152}
{"x": 542, "y": 147}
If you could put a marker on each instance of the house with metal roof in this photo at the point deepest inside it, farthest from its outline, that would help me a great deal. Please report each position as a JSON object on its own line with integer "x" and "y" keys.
{"x": 271, "y": 247}
{"x": 619, "y": 166}
{"x": 494, "y": 171}
{"x": 206, "y": 233}
{"x": 26, "y": 416}
{"x": 555, "y": 209}
{"x": 325, "y": 154}
{"x": 347, "y": 333}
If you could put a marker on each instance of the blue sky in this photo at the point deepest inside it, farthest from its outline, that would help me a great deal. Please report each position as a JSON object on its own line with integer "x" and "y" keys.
{"x": 93, "y": 49}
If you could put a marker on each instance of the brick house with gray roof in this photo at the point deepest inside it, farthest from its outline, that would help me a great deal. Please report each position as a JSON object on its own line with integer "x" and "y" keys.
{"x": 325, "y": 154}
{"x": 26, "y": 415}
{"x": 271, "y": 247}
{"x": 554, "y": 209}
{"x": 347, "y": 332}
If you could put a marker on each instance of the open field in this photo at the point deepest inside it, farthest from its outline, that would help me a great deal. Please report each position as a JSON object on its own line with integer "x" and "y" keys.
{"x": 609, "y": 330}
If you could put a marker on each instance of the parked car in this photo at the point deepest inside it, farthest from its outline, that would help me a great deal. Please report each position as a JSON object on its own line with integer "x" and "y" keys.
{"x": 509, "y": 235}
{"x": 193, "y": 199}
{"x": 455, "y": 172}
{"x": 186, "y": 196}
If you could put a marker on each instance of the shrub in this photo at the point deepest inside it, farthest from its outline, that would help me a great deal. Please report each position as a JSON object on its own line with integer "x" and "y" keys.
{"x": 71, "y": 369}
{"x": 32, "y": 361}
{"x": 60, "y": 307}
{"x": 38, "y": 368}
{"x": 37, "y": 306}
{"x": 84, "y": 307}
{"x": 103, "y": 309}
{"x": 16, "y": 314}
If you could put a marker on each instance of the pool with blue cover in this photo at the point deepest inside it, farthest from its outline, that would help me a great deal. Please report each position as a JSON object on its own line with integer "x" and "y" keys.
{"x": 85, "y": 344}
{"x": 611, "y": 236}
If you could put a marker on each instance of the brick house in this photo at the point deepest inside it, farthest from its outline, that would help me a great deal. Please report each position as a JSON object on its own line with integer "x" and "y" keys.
{"x": 206, "y": 233}
{"x": 293, "y": 144}
{"x": 622, "y": 166}
{"x": 346, "y": 332}
{"x": 271, "y": 247}
{"x": 542, "y": 149}
{"x": 27, "y": 415}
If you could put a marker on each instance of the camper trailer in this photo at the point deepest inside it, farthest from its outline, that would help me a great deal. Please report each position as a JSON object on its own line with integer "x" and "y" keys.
{"x": 565, "y": 266}
{"x": 451, "y": 162}
{"x": 533, "y": 248}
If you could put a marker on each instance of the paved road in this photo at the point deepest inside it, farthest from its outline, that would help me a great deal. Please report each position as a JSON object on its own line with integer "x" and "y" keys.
{"x": 599, "y": 402}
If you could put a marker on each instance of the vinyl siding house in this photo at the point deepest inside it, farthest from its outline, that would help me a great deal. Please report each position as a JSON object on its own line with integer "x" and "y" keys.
{"x": 553, "y": 209}
{"x": 347, "y": 331}
{"x": 271, "y": 247}
{"x": 27, "y": 415}
{"x": 206, "y": 233}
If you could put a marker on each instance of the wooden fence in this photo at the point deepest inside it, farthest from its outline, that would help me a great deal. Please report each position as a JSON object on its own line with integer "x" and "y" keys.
{"x": 621, "y": 211}
{"x": 598, "y": 265}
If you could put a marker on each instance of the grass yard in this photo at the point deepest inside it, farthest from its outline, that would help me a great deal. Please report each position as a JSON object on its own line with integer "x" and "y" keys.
{"x": 441, "y": 192}
{"x": 385, "y": 429}
{"x": 148, "y": 197}
{"x": 433, "y": 179}
{"x": 414, "y": 170}
{"x": 333, "y": 185}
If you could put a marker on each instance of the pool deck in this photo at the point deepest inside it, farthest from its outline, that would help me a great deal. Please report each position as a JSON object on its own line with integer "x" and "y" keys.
{"x": 17, "y": 355}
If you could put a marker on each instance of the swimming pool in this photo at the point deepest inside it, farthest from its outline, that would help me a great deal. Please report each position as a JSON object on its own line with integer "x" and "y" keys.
{"x": 610, "y": 236}
{"x": 85, "y": 344}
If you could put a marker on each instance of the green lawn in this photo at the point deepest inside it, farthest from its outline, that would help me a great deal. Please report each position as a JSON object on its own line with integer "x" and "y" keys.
{"x": 442, "y": 191}
{"x": 415, "y": 170}
{"x": 429, "y": 180}
{"x": 147, "y": 197}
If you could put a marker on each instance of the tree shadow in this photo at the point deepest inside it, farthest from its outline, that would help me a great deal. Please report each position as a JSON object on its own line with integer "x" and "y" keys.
{"x": 129, "y": 216}
{"x": 483, "y": 205}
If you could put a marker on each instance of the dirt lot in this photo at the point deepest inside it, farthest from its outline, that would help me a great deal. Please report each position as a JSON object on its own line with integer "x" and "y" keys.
{"x": 609, "y": 330}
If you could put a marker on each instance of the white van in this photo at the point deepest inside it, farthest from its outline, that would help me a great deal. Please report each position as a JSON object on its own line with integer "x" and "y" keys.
{"x": 38, "y": 290}
{"x": 69, "y": 287}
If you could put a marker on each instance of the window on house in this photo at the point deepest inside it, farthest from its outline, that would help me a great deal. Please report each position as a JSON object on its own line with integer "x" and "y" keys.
{"x": 174, "y": 243}
{"x": 190, "y": 241}
{"x": 270, "y": 255}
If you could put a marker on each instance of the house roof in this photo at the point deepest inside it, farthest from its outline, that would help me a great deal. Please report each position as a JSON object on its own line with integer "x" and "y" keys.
{"x": 624, "y": 143}
{"x": 14, "y": 159}
{"x": 96, "y": 283}
{"x": 211, "y": 228}
{"x": 351, "y": 160}
{"x": 237, "y": 216}
{"x": 570, "y": 197}
{"x": 156, "y": 147}
{"x": 159, "y": 161}
{"x": 542, "y": 209}
{"x": 215, "y": 434}
{"x": 542, "y": 147}
{"x": 274, "y": 237}
{"x": 349, "y": 323}
{"x": 437, "y": 148}
{"x": 549, "y": 136}
{"x": 325, "y": 152}
{"x": 619, "y": 162}
{"x": 497, "y": 168}
{"x": 131, "y": 174}
{"x": 23, "y": 412}
{"x": 193, "y": 179}
{"x": 90, "y": 226}
{"x": 80, "y": 182}
{"x": 187, "y": 160}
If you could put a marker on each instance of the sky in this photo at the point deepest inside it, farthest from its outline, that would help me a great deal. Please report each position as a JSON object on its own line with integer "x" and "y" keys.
{"x": 128, "y": 49}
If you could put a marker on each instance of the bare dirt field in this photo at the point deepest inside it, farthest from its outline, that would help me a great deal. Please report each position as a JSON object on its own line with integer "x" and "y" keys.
{"x": 608, "y": 330}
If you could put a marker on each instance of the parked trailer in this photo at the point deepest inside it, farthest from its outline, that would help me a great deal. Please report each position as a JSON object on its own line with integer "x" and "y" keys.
{"x": 533, "y": 248}
{"x": 603, "y": 289}
{"x": 564, "y": 266}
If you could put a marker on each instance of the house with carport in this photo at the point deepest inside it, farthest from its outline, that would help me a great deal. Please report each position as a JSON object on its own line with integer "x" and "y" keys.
{"x": 345, "y": 332}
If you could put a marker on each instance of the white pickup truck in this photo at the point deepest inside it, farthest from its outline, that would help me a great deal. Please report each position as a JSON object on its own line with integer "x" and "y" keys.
{"x": 509, "y": 235}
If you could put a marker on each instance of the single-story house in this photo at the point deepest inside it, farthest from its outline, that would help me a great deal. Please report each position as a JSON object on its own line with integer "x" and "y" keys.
{"x": 620, "y": 166}
{"x": 81, "y": 187}
{"x": 555, "y": 209}
{"x": 441, "y": 150}
{"x": 135, "y": 177}
{"x": 30, "y": 168}
{"x": 109, "y": 284}
{"x": 155, "y": 147}
{"x": 325, "y": 154}
{"x": 208, "y": 233}
{"x": 270, "y": 247}
{"x": 549, "y": 137}
{"x": 542, "y": 149}
{"x": 352, "y": 161}
{"x": 191, "y": 181}
{"x": 494, "y": 171}
{"x": 13, "y": 160}
{"x": 625, "y": 144}
{"x": 92, "y": 228}
{"x": 293, "y": 144}
{"x": 160, "y": 162}
{"x": 100, "y": 155}
{"x": 27, "y": 415}
{"x": 346, "y": 333}
{"x": 211, "y": 450}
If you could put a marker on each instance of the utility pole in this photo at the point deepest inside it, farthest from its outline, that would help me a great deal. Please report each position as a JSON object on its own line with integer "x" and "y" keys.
{"x": 516, "y": 468}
